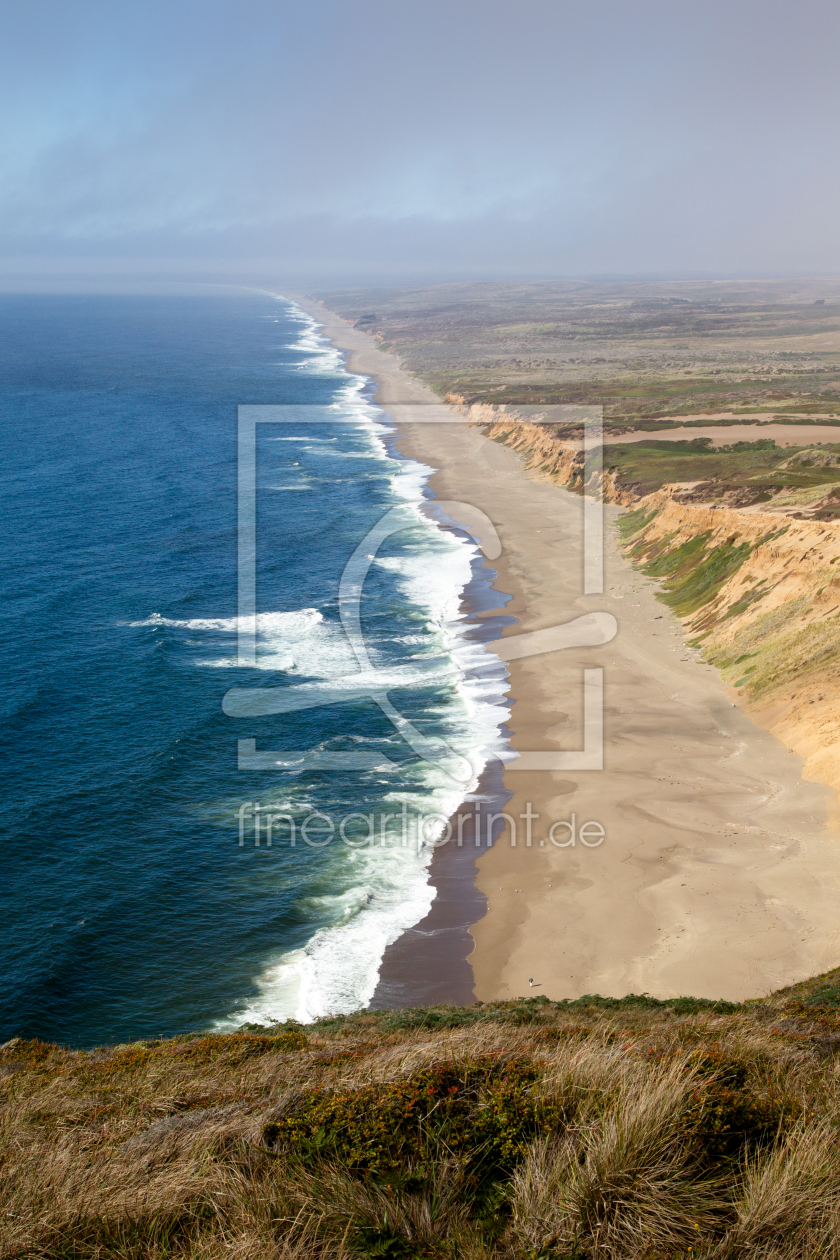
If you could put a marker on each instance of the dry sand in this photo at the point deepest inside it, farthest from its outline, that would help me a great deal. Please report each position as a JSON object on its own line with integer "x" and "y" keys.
{"x": 720, "y": 872}
{"x": 723, "y": 435}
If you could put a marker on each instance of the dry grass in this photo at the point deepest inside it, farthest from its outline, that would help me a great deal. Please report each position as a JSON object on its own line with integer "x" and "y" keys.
{"x": 528, "y": 1130}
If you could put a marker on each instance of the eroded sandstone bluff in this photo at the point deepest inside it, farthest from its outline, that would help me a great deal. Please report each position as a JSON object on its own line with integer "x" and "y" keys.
{"x": 757, "y": 590}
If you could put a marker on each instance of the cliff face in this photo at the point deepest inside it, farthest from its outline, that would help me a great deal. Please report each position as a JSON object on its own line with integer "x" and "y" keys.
{"x": 757, "y": 591}
{"x": 760, "y": 594}
{"x": 335, "y": 1141}
{"x": 563, "y": 462}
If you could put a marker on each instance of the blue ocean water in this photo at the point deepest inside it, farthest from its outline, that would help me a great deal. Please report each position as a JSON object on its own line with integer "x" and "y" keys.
{"x": 130, "y": 907}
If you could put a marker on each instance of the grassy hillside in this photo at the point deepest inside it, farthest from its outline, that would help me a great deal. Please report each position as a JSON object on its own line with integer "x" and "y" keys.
{"x": 643, "y": 349}
{"x": 804, "y": 480}
{"x": 740, "y": 474}
{"x": 532, "y": 1129}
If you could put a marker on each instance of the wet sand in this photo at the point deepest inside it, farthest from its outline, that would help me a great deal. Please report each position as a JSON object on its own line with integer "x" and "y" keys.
{"x": 430, "y": 963}
{"x": 720, "y": 872}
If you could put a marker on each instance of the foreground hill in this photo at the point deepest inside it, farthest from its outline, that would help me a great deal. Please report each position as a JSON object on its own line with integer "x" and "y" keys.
{"x": 532, "y": 1129}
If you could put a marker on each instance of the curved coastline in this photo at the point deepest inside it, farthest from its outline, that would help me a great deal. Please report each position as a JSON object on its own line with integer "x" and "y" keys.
{"x": 721, "y": 868}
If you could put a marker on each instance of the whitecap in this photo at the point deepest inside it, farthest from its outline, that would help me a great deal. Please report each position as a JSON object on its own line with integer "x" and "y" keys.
{"x": 389, "y": 891}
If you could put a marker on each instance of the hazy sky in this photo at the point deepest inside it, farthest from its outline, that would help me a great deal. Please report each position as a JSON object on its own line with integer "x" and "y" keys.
{"x": 437, "y": 136}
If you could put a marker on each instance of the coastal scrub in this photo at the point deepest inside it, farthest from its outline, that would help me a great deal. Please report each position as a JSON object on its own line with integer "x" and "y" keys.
{"x": 599, "y": 1128}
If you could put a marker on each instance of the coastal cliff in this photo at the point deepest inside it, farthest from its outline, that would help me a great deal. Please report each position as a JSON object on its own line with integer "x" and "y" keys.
{"x": 757, "y": 589}
{"x": 563, "y": 462}
{"x": 760, "y": 595}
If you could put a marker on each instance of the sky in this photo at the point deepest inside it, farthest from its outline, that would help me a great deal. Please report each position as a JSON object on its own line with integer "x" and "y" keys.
{"x": 421, "y": 138}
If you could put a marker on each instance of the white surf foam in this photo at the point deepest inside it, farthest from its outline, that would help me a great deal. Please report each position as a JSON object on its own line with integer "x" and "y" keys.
{"x": 338, "y": 969}
{"x": 389, "y": 890}
{"x": 301, "y": 641}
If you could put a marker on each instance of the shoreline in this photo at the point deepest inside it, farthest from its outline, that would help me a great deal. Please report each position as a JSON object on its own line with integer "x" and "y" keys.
{"x": 429, "y": 964}
{"x": 720, "y": 869}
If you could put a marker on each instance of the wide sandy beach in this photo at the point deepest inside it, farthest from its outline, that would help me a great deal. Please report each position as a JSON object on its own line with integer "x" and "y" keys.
{"x": 719, "y": 874}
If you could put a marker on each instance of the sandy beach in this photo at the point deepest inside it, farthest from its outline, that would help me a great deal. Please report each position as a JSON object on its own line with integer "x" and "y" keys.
{"x": 719, "y": 873}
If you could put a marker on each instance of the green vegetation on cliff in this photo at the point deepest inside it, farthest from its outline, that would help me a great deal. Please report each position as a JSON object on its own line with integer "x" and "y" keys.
{"x": 741, "y": 474}
{"x": 769, "y": 654}
{"x": 693, "y": 572}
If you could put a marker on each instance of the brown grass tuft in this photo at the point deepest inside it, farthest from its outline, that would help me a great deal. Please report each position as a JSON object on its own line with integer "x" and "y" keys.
{"x": 600, "y": 1130}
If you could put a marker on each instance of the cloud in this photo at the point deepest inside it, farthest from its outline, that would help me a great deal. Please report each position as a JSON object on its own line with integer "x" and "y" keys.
{"x": 550, "y": 136}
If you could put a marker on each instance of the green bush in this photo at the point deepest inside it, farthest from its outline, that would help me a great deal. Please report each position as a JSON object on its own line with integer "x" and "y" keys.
{"x": 726, "y": 1116}
{"x": 483, "y": 1113}
{"x": 384, "y": 1244}
{"x": 826, "y": 995}
{"x": 643, "y": 1001}
{"x": 524, "y": 1011}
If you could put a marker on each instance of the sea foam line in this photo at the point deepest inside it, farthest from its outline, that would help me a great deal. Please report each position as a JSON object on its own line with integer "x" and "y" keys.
{"x": 338, "y": 969}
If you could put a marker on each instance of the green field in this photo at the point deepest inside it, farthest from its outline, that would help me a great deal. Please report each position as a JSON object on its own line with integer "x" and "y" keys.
{"x": 758, "y": 470}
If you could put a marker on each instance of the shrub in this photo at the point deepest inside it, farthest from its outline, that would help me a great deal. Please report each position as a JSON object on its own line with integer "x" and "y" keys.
{"x": 826, "y": 995}
{"x": 483, "y": 1113}
{"x": 725, "y": 1116}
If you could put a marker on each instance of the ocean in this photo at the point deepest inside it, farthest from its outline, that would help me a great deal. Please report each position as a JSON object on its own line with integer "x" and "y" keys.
{"x": 192, "y": 840}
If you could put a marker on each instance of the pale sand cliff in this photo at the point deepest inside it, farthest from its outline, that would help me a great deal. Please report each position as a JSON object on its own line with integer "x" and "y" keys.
{"x": 775, "y": 620}
{"x": 720, "y": 872}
